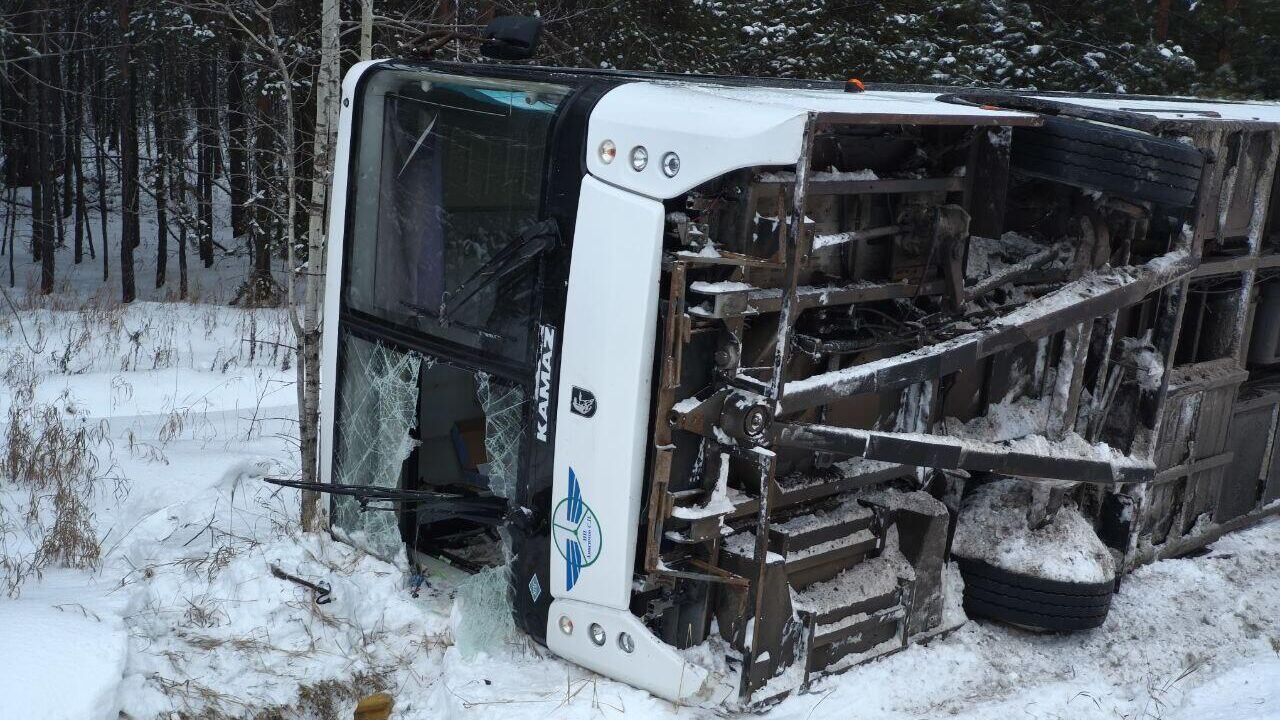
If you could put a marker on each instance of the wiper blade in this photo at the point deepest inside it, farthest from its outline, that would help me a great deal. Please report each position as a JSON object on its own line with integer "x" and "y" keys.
{"x": 423, "y": 311}
{"x": 486, "y": 510}
{"x": 533, "y": 241}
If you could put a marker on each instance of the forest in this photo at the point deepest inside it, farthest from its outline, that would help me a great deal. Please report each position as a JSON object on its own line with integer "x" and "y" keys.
{"x": 207, "y": 125}
{"x": 107, "y": 107}
{"x": 164, "y": 193}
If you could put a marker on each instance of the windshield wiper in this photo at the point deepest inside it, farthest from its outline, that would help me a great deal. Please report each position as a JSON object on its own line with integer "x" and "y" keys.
{"x": 421, "y": 311}
{"x": 533, "y": 241}
{"x": 488, "y": 510}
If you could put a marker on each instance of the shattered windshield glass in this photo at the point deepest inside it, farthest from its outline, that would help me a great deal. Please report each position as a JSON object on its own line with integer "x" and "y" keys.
{"x": 448, "y": 175}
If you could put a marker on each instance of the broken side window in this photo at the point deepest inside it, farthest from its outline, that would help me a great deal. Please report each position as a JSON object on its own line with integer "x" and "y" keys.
{"x": 377, "y": 401}
{"x": 503, "y": 407}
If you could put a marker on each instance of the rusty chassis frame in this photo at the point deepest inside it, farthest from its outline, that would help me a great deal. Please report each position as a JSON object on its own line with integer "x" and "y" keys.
{"x": 741, "y": 415}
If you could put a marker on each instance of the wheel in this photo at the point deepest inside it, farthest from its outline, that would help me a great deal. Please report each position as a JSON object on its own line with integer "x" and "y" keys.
{"x": 1099, "y": 157}
{"x": 998, "y": 594}
{"x": 1057, "y": 576}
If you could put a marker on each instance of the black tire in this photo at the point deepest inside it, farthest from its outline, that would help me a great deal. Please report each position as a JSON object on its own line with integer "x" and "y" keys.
{"x": 998, "y": 594}
{"x": 1098, "y": 157}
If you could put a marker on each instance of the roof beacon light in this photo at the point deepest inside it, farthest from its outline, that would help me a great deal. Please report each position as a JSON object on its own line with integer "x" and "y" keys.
{"x": 854, "y": 85}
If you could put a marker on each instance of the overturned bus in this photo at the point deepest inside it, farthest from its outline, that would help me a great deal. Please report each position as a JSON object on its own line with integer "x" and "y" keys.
{"x": 775, "y": 366}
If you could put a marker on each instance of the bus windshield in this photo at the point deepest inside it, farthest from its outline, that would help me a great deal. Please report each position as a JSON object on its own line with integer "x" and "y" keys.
{"x": 448, "y": 176}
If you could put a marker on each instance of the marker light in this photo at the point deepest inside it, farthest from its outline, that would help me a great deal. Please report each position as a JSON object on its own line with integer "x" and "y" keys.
{"x": 597, "y": 634}
{"x": 608, "y": 151}
{"x": 566, "y": 625}
{"x": 670, "y": 164}
{"x": 625, "y": 642}
{"x": 639, "y": 158}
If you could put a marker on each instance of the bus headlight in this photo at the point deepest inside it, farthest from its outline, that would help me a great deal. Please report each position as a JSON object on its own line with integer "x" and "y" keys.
{"x": 639, "y": 158}
{"x": 608, "y": 151}
{"x": 597, "y": 634}
{"x": 670, "y": 164}
{"x": 626, "y": 643}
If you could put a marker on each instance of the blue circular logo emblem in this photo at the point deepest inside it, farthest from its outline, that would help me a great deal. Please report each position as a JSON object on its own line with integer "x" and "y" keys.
{"x": 575, "y": 529}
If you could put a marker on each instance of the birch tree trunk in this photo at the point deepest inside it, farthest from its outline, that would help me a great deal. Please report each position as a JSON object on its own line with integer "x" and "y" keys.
{"x": 366, "y": 30}
{"x": 327, "y": 96}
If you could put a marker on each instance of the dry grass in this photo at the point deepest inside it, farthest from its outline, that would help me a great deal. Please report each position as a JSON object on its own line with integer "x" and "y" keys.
{"x": 52, "y": 454}
{"x": 1160, "y": 692}
{"x": 56, "y": 464}
{"x": 71, "y": 337}
{"x": 323, "y": 700}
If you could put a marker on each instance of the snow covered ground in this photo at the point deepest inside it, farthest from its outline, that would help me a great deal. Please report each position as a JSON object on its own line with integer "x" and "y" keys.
{"x": 188, "y": 406}
{"x": 183, "y": 614}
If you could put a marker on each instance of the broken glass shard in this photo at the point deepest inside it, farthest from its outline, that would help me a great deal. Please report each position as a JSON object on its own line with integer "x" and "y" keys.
{"x": 377, "y": 402}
